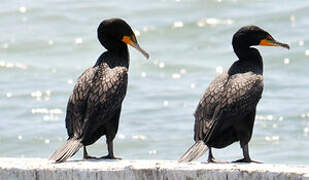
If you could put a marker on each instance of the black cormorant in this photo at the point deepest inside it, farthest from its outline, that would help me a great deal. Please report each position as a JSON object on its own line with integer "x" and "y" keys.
{"x": 94, "y": 107}
{"x": 227, "y": 110}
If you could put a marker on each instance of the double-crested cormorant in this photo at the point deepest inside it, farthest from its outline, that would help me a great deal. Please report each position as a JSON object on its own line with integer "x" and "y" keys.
{"x": 226, "y": 112}
{"x": 94, "y": 107}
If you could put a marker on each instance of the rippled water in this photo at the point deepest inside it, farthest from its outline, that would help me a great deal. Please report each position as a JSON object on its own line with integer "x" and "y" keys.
{"x": 46, "y": 45}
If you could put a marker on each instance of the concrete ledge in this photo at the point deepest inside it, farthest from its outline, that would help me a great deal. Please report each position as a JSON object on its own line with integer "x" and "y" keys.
{"x": 39, "y": 169}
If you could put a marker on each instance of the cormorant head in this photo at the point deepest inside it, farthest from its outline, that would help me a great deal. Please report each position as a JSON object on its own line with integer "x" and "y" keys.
{"x": 115, "y": 33}
{"x": 252, "y": 36}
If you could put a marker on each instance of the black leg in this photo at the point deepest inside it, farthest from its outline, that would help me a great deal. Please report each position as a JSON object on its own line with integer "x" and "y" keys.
{"x": 110, "y": 135}
{"x": 246, "y": 158}
{"x": 211, "y": 158}
{"x": 244, "y": 132}
{"x": 86, "y": 156}
{"x": 110, "y": 155}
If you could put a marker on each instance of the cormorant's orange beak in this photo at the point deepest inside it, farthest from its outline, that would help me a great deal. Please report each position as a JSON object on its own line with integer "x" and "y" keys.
{"x": 131, "y": 40}
{"x": 271, "y": 42}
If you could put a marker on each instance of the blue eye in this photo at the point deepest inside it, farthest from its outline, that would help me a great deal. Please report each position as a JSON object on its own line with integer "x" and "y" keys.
{"x": 133, "y": 38}
{"x": 269, "y": 38}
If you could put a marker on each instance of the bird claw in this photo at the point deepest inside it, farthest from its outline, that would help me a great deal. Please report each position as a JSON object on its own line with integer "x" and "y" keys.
{"x": 217, "y": 161}
{"x": 90, "y": 157}
{"x": 244, "y": 160}
{"x": 110, "y": 157}
{"x": 214, "y": 161}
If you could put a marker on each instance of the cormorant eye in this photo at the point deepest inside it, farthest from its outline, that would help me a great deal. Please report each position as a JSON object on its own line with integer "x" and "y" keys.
{"x": 269, "y": 38}
{"x": 133, "y": 38}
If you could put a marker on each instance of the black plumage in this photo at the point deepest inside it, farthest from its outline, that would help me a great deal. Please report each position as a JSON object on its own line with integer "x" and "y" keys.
{"x": 226, "y": 112}
{"x": 94, "y": 107}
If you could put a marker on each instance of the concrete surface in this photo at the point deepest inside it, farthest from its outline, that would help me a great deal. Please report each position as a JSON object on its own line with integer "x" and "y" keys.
{"x": 41, "y": 169}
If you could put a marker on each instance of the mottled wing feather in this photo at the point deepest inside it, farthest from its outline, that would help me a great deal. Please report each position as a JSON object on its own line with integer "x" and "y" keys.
{"x": 233, "y": 95}
{"x": 244, "y": 91}
{"x": 77, "y": 104}
{"x": 98, "y": 92}
{"x": 108, "y": 92}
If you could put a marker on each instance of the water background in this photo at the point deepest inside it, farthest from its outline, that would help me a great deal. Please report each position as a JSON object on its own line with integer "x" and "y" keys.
{"x": 45, "y": 45}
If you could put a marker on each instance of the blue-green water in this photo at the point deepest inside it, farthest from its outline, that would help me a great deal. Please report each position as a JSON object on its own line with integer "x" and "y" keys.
{"x": 46, "y": 45}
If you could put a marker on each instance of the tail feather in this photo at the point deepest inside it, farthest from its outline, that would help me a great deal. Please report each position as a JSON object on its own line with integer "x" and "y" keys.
{"x": 66, "y": 151}
{"x": 194, "y": 152}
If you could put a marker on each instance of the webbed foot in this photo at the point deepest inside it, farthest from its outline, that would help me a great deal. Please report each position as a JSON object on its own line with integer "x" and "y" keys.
{"x": 244, "y": 160}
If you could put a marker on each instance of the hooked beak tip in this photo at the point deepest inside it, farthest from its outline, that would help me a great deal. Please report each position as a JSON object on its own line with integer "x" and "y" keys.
{"x": 147, "y": 56}
{"x": 136, "y": 46}
{"x": 141, "y": 51}
{"x": 285, "y": 46}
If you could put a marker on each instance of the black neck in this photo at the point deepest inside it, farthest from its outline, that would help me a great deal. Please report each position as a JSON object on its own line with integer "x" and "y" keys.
{"x": 250, "y": 60}
{"x": 115, "y": 57}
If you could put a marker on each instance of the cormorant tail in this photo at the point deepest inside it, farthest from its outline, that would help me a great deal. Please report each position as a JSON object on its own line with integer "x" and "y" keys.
{"x": 195, "y": 151}
{"x": 66, "y": 151}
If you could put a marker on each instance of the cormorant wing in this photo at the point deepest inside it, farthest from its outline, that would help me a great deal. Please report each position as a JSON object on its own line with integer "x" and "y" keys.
{"x": 96, "y": 95}
{"x": 105, "y": 99}
{"x": 77, "y": 104}
{"x": 226, "y": 97}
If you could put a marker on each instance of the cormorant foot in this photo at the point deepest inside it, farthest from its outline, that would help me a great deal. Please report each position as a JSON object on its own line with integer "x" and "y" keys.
{"x": 214, "y": 161}
{"x": 90, "y": 157}
{"x": 244, "y": 160}
{"x": 110, "y": 157}
{"x": 217, "y": 161}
